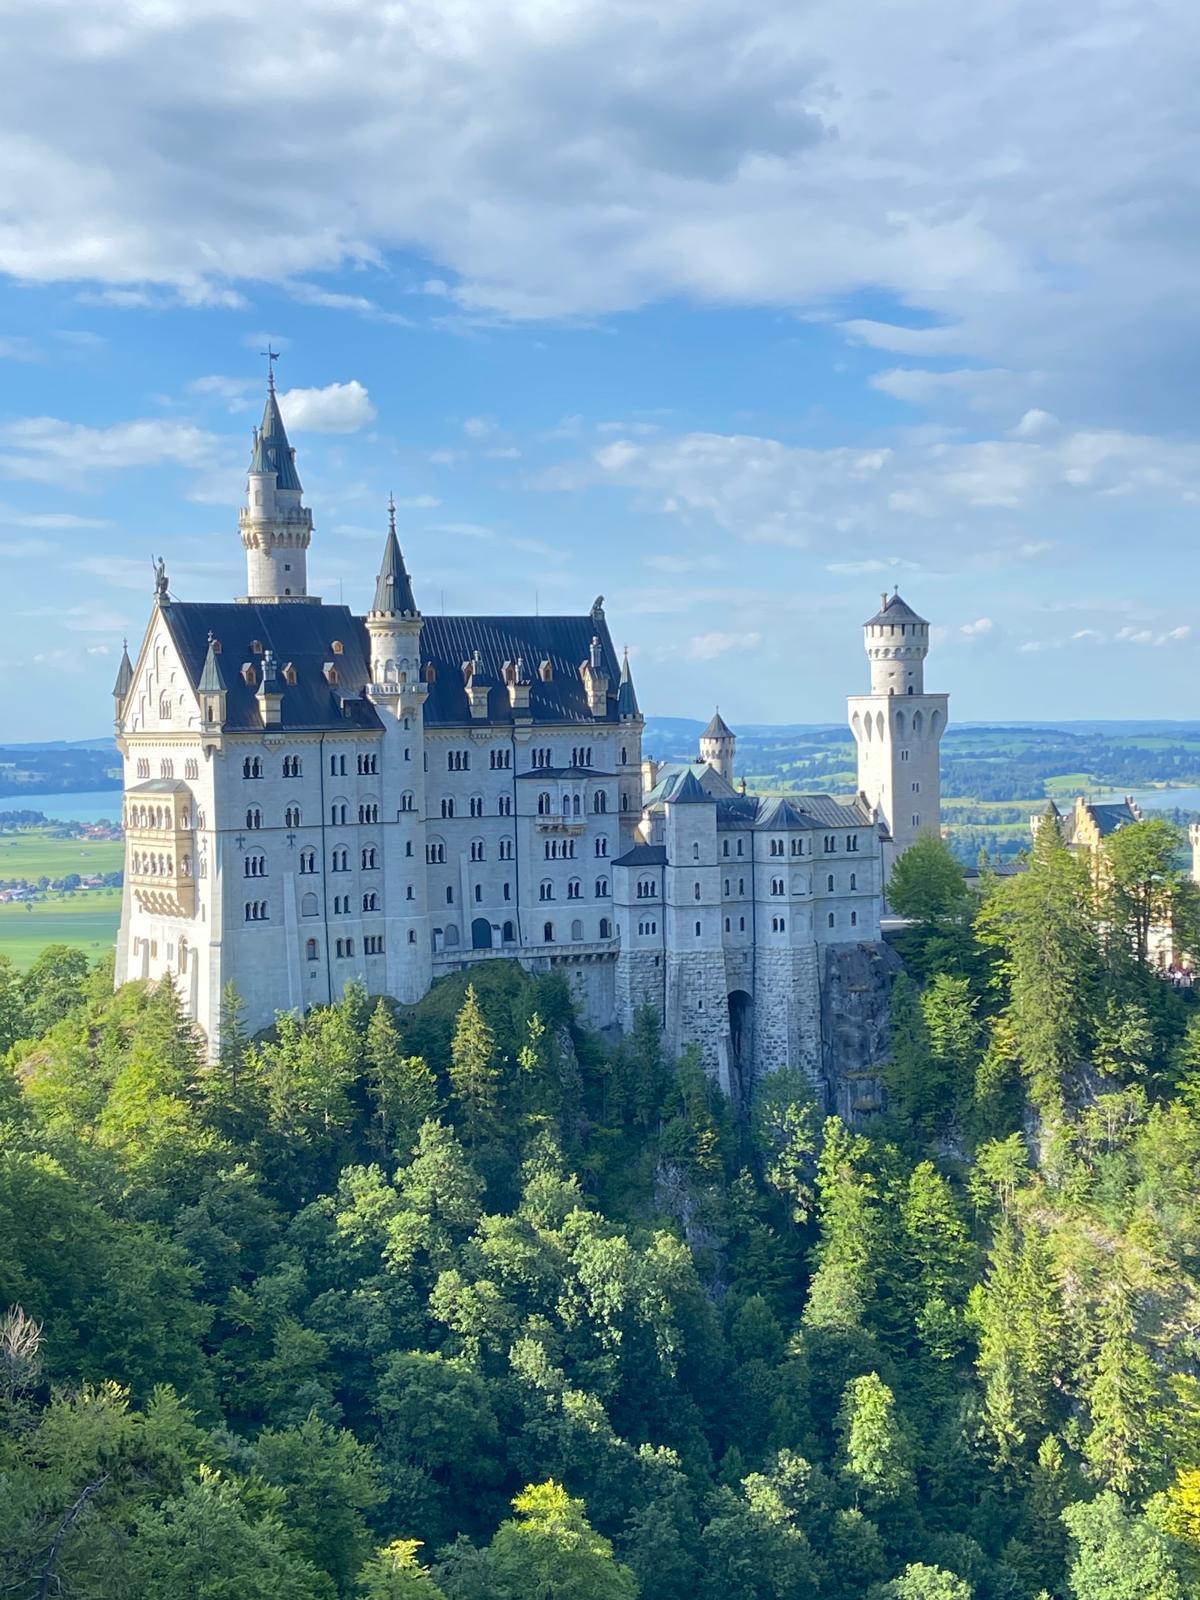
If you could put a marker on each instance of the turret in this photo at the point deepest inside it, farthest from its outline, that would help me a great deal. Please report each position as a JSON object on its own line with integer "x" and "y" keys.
{"x": 629, "y": 768}
{"x": 211, "y": 690}
{"x": 124, "y": 679}
{"x": 394, "y": 625}
{"x": 717, "y": 746}
{"x": 896, "y": 640}
{"x": 276, "y": 528}
{"x": 595, "y": 679}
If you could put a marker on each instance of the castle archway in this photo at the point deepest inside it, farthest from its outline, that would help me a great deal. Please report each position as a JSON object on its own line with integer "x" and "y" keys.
{"x": 481, "y": 934}
{"x": 741, "y": 1034}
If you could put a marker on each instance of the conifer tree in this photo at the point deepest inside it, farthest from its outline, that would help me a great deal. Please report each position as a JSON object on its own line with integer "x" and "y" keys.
{"x": 403, "y": 1090}
{"x": 875, "y": 1457}
{"x": 474, "y": 1072}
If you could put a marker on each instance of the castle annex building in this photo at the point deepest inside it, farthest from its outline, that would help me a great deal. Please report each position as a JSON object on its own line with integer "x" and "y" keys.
{"x": 313, "y": 797}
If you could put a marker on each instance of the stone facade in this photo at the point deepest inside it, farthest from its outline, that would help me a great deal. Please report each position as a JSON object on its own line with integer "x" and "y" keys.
{"x": 314, "y": 797}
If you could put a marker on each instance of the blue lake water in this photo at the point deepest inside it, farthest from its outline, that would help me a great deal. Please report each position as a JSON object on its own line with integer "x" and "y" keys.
{"x": 96, "y": 805}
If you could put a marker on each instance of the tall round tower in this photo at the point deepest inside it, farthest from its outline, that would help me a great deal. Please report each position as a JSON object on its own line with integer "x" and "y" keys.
{"x": 898, "y": 728}
{"x": 717, "y": 746}
{"x": 276, "y": 528}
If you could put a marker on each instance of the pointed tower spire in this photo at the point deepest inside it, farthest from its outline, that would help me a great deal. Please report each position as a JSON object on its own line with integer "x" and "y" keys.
{"x": 211, "y": 679}
{"x": 211, "y": 690}
{"x": 393, "y": 588}
{"x": 124, "y": 675}
{"x": 627, "y": 705}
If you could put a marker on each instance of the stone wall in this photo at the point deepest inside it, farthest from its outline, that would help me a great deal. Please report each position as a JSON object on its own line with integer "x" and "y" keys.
{"x": 856, "y": 986}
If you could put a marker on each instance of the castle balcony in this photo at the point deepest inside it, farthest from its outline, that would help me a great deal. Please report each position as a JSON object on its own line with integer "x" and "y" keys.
{"x": 160, "y": 850}
{"x": 566, "y": 827}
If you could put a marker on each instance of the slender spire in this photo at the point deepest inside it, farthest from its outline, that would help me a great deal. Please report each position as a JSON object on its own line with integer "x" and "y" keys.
{"x": 627, "y": 705}
{"x": 393, "y": 589}
{"x": 211, "y": 681}
{"x": 124, "y": 674}
{"x": 272, "y": 452}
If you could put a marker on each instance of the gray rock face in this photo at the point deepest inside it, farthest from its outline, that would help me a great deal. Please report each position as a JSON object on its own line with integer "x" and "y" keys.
{"x": 856, "y": 987}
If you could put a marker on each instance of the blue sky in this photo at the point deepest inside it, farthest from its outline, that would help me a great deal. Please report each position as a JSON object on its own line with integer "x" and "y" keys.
{"x": 733, "y": 312}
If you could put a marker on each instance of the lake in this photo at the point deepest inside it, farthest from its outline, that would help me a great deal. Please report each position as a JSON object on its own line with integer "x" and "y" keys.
{"x": 94, "y": 805}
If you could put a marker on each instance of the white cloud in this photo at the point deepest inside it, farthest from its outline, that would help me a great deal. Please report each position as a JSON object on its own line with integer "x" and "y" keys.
{"x": 311, "y": 294}
{"x": 337, "y": 408}
{"x": 1009, "y": 223}
{"x": 50, "y": 520}
{"x": 707, "y": 646}
{"x": 478, "y": 427}
{"x": 420, "y": 502}
{"x": 977, "y": 629}
{"x": 49, "y": 450}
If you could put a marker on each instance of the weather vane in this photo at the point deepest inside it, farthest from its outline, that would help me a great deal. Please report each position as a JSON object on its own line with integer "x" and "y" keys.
{"x": 272, "y": 357}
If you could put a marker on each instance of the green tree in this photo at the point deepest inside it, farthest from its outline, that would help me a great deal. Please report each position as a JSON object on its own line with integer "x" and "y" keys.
{"x": 550, "y": 1550}
{"x": 875, "y": 1456}
{"x": 921, "y": 1582}
{"x": 783, "y": 1124}
{"x": 474, "y": 1072}
{"x": 1118, "y": 1555}
{"x": 845, "y": 1255}
{"x": 403, "y": 1090}
{"x": 395, "y": 1573}
{"x": 1041, "y": 923}
{"x": 1141, "y": 880}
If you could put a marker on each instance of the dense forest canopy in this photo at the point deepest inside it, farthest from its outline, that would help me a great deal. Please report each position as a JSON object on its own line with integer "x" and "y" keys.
{"x": 462, "y": 1301}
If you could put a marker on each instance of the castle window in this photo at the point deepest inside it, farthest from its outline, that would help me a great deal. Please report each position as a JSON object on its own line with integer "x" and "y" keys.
{"x": 373, "y": 944}
{"x": 407, "y": 803}
{"x": 904, "y": 755}
{"x": 476, "y": 805}
{"x": 447, "y": 806}
{"x": 601, "y": 888}
{"x": 543, "y": 805}
{"x": 164, "y": 708}
{"x": 369, "y": 859}
{"x": 341, "y": 861}
{"x": 143, "y": 769}
{"x": 291, "y": 817}
{"x": 739, "y": 846}
{"x": 249, "y": 676}
{"x": 289, "y": 674}
{"x": 696, "y": 891}
{"x": 741, "y": 886}
{"x": 254, "y": 817}
{"x": 574, "y": 889}
{"x": 435, "y": 853}
{"x": 476, "y": 849}
{"x": 368, "y": 765}
{"x": 831, "y": 919}
{"x": 605, "y": 928}
{"x": 830, "y": 843}
{"x": 412, "y": 936}
{"x": 254, "y": 866}
{"x": 797, "y": 847}
{"x": 725, "y": 850}
{"x": 741, "y": 924}
{"x": 370, "y": 901}
{"x": 166, "y": 769}
{"x": 408, "y": 892}
{"x": 545, "y": 890}
{"x": 310, "y": 950}
{"x": 478, "y": 894}
{"x": 829, "y": 883}
{"x": 506, "y": 850}
{"x": 256, "y": 910}
{"x": 449, "y": 894}
{"x": 336, "y": 647}
{"x": 599, "y": 802}
{"x": 546, "y": 672}
{"x": 338, "y": 812}
{"x": 726, "y": 924}
{"x": 252, "y": 767}
{"x": 576, "y": 929}
{"x": 916, "y": 821}
{"x": 508, "y": 933}
{"x": 368, "y": 812}
{"x": 854, "y": 919}
{"x": 854, "y": 880}
{"x": 851, "y": 841}
{"x": 566, "y": 805}
{"x": 601, "y": 847}
{"x": 504, "y": 806}
{"x": 507, "y": 893}
{"x": 548, "y": 932}
{"x": 308, "y": 905}
{"x": 916, "y": 788}
{"x": 697, "y": 930}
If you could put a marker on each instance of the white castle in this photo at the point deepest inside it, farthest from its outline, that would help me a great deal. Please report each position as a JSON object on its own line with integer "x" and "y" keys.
{"x": 313, "y": 797}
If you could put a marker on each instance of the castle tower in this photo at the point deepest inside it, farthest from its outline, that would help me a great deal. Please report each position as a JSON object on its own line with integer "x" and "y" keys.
{"x": 898, "y": 727}
{"x": 276, "y": 528}
{"x": 717, "y": 745}
{"x": 398, "y": 693}
{"x": 124, "y": 679}
{"x": 629, "y": 766}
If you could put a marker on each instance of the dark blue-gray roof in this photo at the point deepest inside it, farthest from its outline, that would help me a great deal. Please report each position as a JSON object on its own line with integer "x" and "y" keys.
{"x": 393, "y": 590}
{"x": 272, "y": 452}
{"x": 894, "y": 610}
{"x": 643, "y": 855}
{"x": 717, "y": 728}
{"x": 303, "y": 637}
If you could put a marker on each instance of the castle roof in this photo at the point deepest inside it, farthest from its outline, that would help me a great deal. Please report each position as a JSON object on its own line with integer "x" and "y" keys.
{"x": 670, "y": 777}
{"x": 304, "y": 638}
{"x": 717, "y": 728}
{"x": 563, "y": 642}
{"x": 893, "y": 609}
{"x": 688, "y": 792}
{"x": 643, "y": 855}
{"x": 272, "y": 452}
{"x": 211, "y": 679}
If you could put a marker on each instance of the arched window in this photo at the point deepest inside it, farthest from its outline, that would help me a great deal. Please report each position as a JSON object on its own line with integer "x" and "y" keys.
{"x": 543, "y": 804}
{"x": 310, "y": 950}
{"x": 477, "y": 850}
{"x": 601, "y": 888}
{"x": 481, "y": 934}
{"x": 308, "y": 861}
{"x": 254, "y": 817}
{"x": 854, "y": 880}
{"x": 308, "y": 905}
{"x": 291, "y": 817}
{"x": 696, "y": 892}
{"x": 545, "y": 890}
{"x": 829, "y": 883}
{"x": 548, "y": 933}
{"x": 451, "y": 934}
{"x": 407, "y": 803}
{"x": 599, "y": 802}
{"x": 831, "y": 919}
{"x": 605, "y": 928}
{"x": 576, "y": 929}
{"x": 695, "y": 852}
{"x": 447, "y": 805}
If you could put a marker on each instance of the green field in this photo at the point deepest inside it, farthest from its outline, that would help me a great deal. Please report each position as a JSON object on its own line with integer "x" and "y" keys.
{"x": 87, "y": 920}
{"x": 35, "y": 853}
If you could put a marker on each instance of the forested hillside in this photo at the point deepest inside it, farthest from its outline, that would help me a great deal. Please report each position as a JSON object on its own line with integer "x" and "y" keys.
{"x": 463, "y": 1302}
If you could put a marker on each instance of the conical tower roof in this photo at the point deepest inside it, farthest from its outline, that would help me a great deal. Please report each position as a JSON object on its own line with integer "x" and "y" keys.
{"x": 393, "y": 587}
{"x": 272, "y": 452}
{"x": 211, "y": 681}
{"x": 124, "y": 673}
{"x": 893, "y": 609}
{"x": 717, "y": 728}
{"x": 627, "y": 705}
